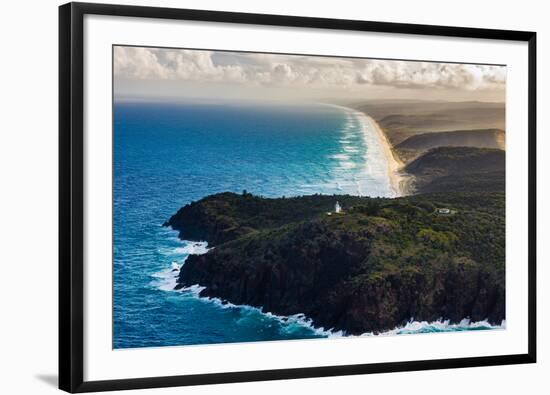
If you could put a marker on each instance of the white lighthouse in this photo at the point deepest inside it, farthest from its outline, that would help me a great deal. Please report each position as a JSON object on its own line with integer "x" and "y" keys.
{"x": 337, "y": 208}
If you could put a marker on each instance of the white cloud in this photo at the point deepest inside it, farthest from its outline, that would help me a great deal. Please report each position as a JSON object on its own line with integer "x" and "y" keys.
{"x": 148, "y": 63}
{"x": 134, "y": 63}
{"x": 431, "y": 75}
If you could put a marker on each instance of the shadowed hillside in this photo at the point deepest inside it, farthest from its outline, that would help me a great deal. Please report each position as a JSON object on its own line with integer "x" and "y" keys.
{"x": 480, "y": 138}
{"x": 447, "y": 169}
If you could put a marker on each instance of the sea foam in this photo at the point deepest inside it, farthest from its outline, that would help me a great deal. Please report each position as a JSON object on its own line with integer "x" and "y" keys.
{"x": 166, "y": 280}
{"x": 193, "y": 248}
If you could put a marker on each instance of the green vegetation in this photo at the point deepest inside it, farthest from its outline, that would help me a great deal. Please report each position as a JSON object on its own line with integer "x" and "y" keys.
{"x": 460, "y": 169}
{"x": 227, "y": 216}
{"x": 381, "y": 263}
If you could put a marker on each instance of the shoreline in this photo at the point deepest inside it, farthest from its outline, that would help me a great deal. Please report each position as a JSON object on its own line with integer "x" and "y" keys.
{"x": 411, "y": 327}
{"x": 400, "y": 182}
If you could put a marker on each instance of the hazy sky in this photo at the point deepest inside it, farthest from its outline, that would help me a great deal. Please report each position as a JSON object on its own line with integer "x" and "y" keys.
{"x": 141, "y": 73}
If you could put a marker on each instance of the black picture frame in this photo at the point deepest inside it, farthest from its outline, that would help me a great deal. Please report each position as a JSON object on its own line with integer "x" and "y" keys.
{"x": 71, "y": 173}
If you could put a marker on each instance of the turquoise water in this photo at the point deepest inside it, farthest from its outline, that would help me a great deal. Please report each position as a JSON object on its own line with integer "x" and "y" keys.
{"x": 167, "y": 155}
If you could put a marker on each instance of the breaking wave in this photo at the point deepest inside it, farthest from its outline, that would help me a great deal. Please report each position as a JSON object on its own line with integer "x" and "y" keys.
{"x": 166, "y": 280}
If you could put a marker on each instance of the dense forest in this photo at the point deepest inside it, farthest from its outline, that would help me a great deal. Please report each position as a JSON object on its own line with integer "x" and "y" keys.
{"x": 459, "y": 169}
{"x": 372, "y": 267}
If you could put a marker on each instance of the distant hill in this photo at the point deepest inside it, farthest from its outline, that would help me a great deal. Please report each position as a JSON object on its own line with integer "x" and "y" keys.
{"x": 446, "y": 169}
{"x": 401, "y": 120}
{"x": 475, "y": 182}
{"x": 480, "y": 138}
{"x": 416, "y": 145}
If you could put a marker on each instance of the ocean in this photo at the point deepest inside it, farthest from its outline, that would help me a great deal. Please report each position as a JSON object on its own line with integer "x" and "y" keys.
{"x": 167, "y": 155}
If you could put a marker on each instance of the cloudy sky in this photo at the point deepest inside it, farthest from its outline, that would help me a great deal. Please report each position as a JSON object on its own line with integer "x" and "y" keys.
{"x": 142, "y": 73}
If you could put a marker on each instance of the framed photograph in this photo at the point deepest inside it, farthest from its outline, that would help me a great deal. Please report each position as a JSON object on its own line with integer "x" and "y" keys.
{"x": 258, "y": 197}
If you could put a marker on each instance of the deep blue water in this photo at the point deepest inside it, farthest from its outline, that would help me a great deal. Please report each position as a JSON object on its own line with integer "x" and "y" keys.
{"x": 167, "y": 155}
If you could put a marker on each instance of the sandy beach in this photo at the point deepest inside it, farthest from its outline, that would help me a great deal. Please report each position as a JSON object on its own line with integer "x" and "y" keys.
{"x": 400, "y": 181}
